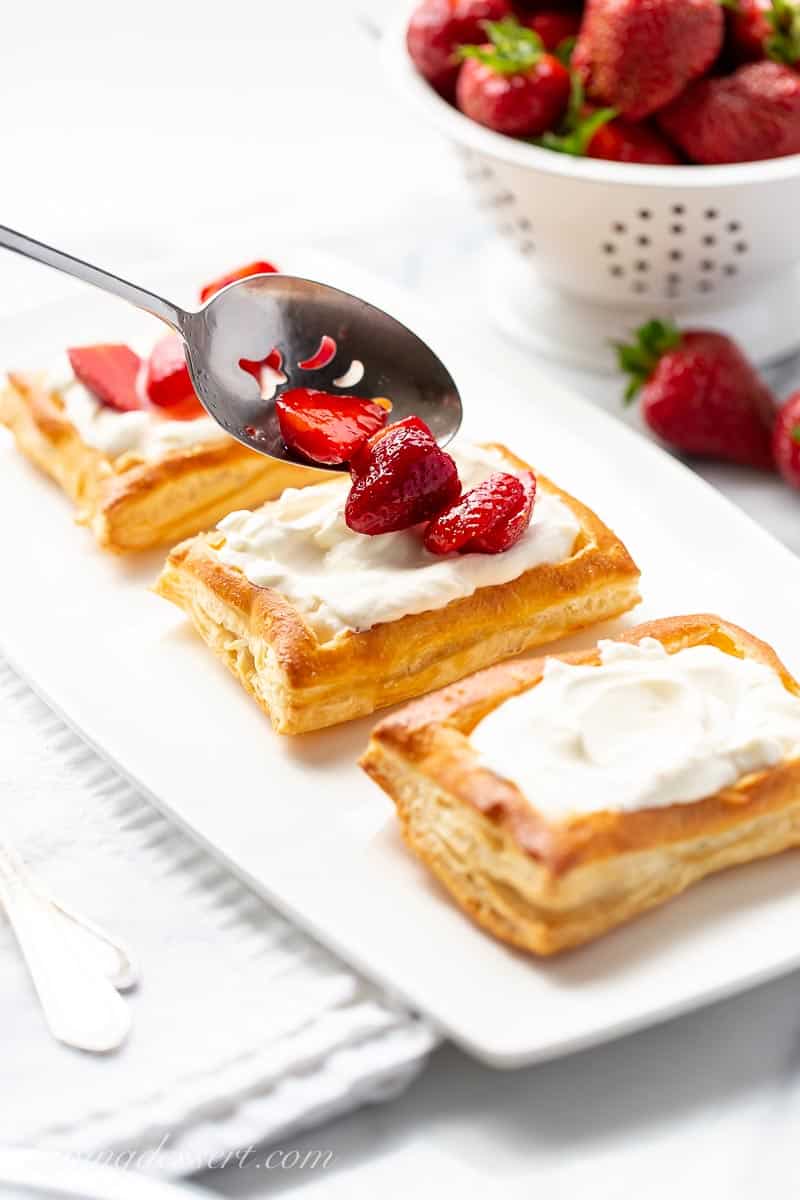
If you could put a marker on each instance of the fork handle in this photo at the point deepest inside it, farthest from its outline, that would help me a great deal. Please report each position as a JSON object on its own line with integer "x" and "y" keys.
{"x": 28, "y": 247}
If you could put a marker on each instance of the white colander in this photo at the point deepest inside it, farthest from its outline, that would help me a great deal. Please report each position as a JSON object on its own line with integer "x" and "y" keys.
{"x": 589, "y": 249}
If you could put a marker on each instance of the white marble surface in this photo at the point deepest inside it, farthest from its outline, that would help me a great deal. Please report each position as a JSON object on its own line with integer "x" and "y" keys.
{"x": 155, "y": 129}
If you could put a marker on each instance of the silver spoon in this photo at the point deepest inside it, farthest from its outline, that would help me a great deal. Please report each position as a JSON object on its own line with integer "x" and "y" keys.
{"x": 77, "y": 969}
{"x": 247, "y": 319}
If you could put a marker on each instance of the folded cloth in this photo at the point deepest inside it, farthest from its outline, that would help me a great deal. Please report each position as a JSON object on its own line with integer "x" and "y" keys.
{"x": 244, "y": 1028}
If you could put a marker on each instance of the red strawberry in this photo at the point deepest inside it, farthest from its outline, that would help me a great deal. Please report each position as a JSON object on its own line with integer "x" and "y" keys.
{"x": 638, "y": 55}
{"x": 110, "y": 372}
{"x": 254, "y": 268}
{"x": 633, "y": 142}
{"x": 167, "y": 383}
{"x": 510, "y": 84}
{"x": 752, "y": 114}
{"x": 475, "y": 514}
{"x": 765, "y": 29}
{"x": 400, "y": 477}
{"x": 505, "y": 534}
{"x": 555, "y": 26}
{"x": 786, "y": 440}
{"x": 438, "y": 27}
{"x": 324, "y": 428}
{"x": 700, "y": 394}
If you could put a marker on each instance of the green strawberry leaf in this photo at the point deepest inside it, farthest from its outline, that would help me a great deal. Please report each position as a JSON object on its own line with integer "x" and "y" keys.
{"x": 794, "y": 434}
{"x": 576, "y": 130}
{"x": 783, "y": 44}
{"x": 514, "y": 48}
{"x": 639, "y": 358}
{"x": 564, "y": 50}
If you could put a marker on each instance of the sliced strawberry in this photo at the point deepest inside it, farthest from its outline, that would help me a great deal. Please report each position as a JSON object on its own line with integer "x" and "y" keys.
{"x": 324, "y": 354}
{"x": 110, "y": 372}
{"x": 474, "y": 514}
{"x": 274, "y": 359}
{"x": 401, "y": 477}
{"x": 327, "y": 429}
{"x": 259, "y": 267}
{"x": 505, "y": 534}
{"x": 167, "y": 382}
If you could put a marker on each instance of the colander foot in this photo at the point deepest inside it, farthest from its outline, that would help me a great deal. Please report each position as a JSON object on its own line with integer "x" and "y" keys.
{"x": 763, "y": 317}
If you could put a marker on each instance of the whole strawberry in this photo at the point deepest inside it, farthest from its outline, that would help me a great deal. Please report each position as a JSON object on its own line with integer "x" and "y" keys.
{"x": 786, "y": 441}
{"x": 749, "y": 115}
{"x": 765, "y": 29}
{"x": 700, "y": 394}
{"x": 638, "y": 55}
{"x": 510, "y": 84}
{"x": 438, "y": 27}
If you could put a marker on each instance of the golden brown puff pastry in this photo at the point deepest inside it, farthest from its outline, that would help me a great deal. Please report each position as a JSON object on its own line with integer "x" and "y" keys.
{"x": 544, "y": 887}
{"x": 305, "y": 683}
{"x": 127, "y": 502}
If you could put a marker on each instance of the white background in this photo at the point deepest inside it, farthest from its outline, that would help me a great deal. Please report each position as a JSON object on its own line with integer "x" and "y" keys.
{"x": 132, "y": 133}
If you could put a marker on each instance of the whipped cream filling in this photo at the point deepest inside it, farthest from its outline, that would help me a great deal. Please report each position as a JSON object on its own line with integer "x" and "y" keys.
{"x": 341, "y": 580}
{"x": 644, "y": 729}
{"x": 148, "y": 433}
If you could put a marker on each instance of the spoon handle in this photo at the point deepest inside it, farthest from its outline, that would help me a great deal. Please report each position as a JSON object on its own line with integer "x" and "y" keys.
{"x": 69, "y": 265}
{"x": 80, "y": 1004}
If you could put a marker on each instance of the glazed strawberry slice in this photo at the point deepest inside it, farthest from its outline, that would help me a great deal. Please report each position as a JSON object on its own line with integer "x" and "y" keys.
{"x": 505, "y": 534}
{"x": 110, "y": 372}
{"x": 494, "y": 501}
{"x": 274, "y": 360}
{"x": 324, "y": 428}
{"x": 167, "y": 382}
{"x": 260, "y": 267}
{"x": 400, "y": 478}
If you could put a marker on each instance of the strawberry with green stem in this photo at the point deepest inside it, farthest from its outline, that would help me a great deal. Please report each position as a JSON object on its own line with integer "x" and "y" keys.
{"x": 699, "y": 393}
{"x": 511, "y": 84}
{"x": 600, "y": 133}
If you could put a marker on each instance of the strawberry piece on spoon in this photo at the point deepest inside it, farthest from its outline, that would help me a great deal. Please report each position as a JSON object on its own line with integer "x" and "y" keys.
{"x": 324, "y": 428}
{"x": 110, "y": 372}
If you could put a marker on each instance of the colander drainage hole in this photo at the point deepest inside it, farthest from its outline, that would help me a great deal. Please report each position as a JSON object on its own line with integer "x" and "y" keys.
{"x": 676, "y": 255}
{"x": 678, "y": 210}
{"x": 711, "y": 214}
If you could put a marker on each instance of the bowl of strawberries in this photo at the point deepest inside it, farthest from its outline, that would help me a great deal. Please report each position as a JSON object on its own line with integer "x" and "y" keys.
{"x": 636, "y": 156}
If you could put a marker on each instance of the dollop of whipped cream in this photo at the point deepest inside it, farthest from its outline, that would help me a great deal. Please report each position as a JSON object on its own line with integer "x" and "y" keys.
{"x": 341, "y": 580}
{"x": 148, "y": 432}
{"x": 644, "y": 729}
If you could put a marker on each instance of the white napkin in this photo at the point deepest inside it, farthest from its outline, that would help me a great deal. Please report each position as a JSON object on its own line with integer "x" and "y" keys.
{"x": 244, "y": 1028}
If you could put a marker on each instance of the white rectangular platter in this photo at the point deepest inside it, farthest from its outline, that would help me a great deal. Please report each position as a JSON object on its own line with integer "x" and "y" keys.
{"x": 296, "y": 817}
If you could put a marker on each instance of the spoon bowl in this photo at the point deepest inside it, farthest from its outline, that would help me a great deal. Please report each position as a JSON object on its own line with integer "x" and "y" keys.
{"x": 251, "y": 317}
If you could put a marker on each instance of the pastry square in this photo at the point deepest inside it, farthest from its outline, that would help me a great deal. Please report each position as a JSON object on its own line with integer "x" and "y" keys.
{"x": 553, "y": 815}
{"x": 138, "y": 479}
{"x": 323, "y": 625}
